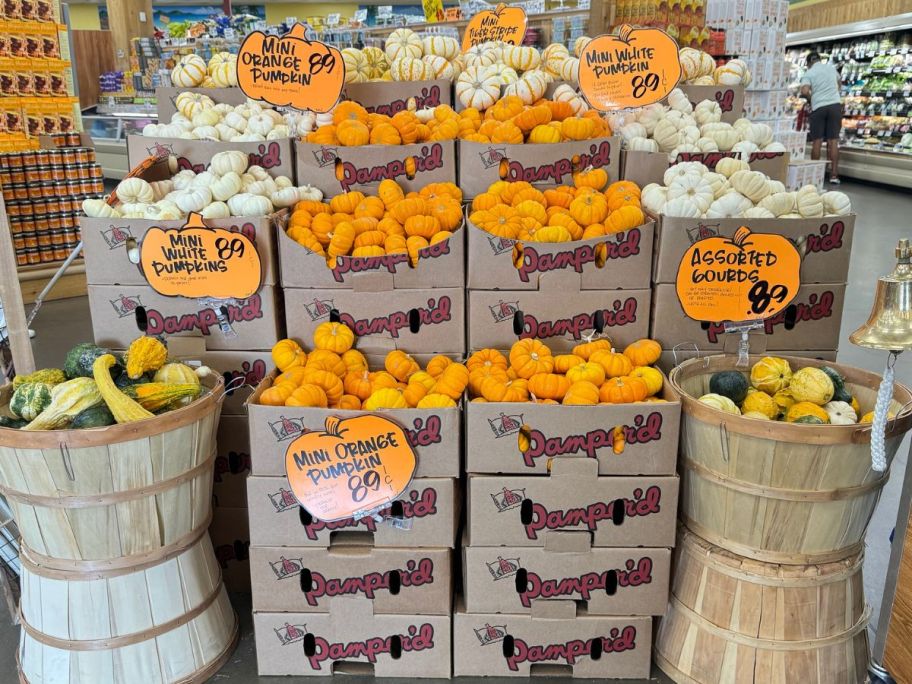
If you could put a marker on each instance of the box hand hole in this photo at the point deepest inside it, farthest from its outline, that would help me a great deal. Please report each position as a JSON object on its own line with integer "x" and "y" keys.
{"x": 338, "y": 169}
{"x": 414, "y": 321}
{"x": 132, "y": 250}
{"x": 525, "y": 512}
{"x": 518, "y": 252}
{"x": 334, "y": 316}
{"x": 310, "y": 645}
{"x": 617, "y": 512}
{"x": 395, "y": 647}
{"x": 791, "y": 314}
{"x": 611, "y": 582}
{"x": 305, "y": 516}
{"x": 619, "y": 440}
{"x": 395, "y": 582}
{"x": 521, "y": 581}
{"x": 524, "y": 439}
{"x": 595, "y": 648}
{"x": 142, "y": 320}
{"x": 518, "y": 322}
{"x": 306, "y": 580}
{"x": 598, "y": 319}
{"x": 601, "y": 254}
{"x": 507, "y": 646}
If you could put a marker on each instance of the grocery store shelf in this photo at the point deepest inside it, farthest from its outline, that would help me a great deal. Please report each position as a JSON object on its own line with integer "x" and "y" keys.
{"x": 532, "y": 20}
{"x": 858, "y": 28}
{"x": 34, "y": 278}
{"x": 889, "y": 168}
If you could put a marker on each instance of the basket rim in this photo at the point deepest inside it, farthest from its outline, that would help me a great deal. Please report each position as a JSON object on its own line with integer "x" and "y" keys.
{"x": 124, "y": 432}
{"x": 856, "y": 433}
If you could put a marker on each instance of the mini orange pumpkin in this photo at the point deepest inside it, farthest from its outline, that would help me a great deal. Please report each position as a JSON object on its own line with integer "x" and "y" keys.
{"x": 335, "y": 337}
{"x": 581, "y": 392}
{"x": 530, "y": 356}
{"x": 623, "y": 390}
{"x": 643, "y": 352}
{"x": 288, "y": 353}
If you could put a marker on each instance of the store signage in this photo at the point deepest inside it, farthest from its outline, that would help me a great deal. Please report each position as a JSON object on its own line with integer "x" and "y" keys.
{"x": 290, "y": 70}
{"x": 747, "y": 277}
{"x": 507, "y": 24}
{"x": 353, "y": 467}
{"x": 433, "y": 10}
{"x": 196, "y": 261}
{"x": 637, "y": 67}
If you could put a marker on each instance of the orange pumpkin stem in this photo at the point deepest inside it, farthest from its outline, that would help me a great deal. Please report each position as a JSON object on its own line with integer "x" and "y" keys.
{"x": 624, "y": 32}
{"x": 332, "y": 426}
{"x": 741, "y": 235}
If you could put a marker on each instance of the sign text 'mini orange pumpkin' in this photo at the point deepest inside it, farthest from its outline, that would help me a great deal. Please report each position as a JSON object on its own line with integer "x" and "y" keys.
{"x": 747, "y": 277}
{"x": 353, "y": 466}
{"x": 637, "y": 67}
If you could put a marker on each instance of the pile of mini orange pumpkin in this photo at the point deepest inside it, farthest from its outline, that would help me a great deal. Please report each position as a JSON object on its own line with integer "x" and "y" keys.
{"x": 334, "y": 375}
{"x": 367, "y": 226}
{"x": 591, "y": 208}
{"x": 509, "y": 121}
{"x": 593, "y": 373}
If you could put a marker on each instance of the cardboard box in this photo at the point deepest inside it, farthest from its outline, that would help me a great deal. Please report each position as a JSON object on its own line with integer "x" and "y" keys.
{"x": 429, "y": 506}
{"x": 231, "y": 542}
{"x": 649, "y": 445}
{"x": 336, "y": 169}
{"x": 825, "y": 243}
{"x": 383, "y": 321}
{"x": 671, "y": 358}
{"x": 396, "y": 581}
{"x": 811, "y": 321}
{"x": 276, "y": 156}
{"x": 601, "y": 581}
{"x": 524, "y": 510}
{"x": 164, "y": 98}
{"x": 389, "y": 97}
{"x": 435, "y": 434}
{"x": 242, "y": 371}
{"x": 649, "y": 167}
{"x": 232, "y": 463}
{"x": 497, "y": 318}
{"x": 439, "y": 265}
{"x": 352, "y": 639}
{"x": 120, "y": 313}
{"x": 621, "y": 260}
{"x": 730, "y": 98}
{"x": 553, "y": 641}
{"x": 107, "y": 242}
{"x": 481, "y": 164}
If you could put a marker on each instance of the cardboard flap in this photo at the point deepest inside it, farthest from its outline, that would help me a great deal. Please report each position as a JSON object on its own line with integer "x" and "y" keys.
{"x": 191, "y": 346}
{"x": 565, "y": 281}
{"x": 568, "y": 542}
{"x": 575, "y": 468}
{"x": 351, "y": 611}
{"x": 372, "y": 282}
{"x": 550, "y": 609}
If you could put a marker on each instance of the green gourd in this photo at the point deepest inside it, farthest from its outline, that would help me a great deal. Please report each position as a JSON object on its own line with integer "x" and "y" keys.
{"x": 30, "y": 399}
{"x": 11, "y": 423}
{"x": 93, "y": 417}
{"x": 731, "y": 384}
{"x": 79, "y": 360}
{"x": 808, "y": 420}
{"x": 68, "y": 399}
{"x": 49, "y": 376}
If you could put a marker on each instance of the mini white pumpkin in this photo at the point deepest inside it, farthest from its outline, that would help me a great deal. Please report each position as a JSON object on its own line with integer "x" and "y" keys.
{"x": 694, "y": 188}
{"x": 776, "y": 186}
{"x": 260, "y": 124}
{"x": 729, "y": 205}
{"x": 215, "y": 210}
{"x": 677, "y": 100}
{"x": 642, "y": 145}
{"x": 225, "y": 186}
{"x": 206, "y": 133}
{"x": 228, "y": 161}
{"x": 163, "y": 211}
{"x": 840, "y": 413}
{"x": 226, "y": 133}
{"x": 285, "y": 197}
{"x": 160, "y": 188}
{"x": 694, "y": 170}
{"x": 246, "y": 204}
{"x": 633, "y": 130}
{"x": 258, "y": 172}
{"x": 666, "y": 135}
{"x": 203, "y": 180}
{"x": 189, "y": 103}
{"x": 774, "y": 146}
{"x": 730, "y": 73}
{"x": 682, "y": 206}
{"x": 205, "y": 117}
{"x": 309, "y": 192}
{"x": 717, "y": 182}
{"x": 725, "y": 138}
{"x": 758, "y": 133}
{"x": 809, "y": 202}
{"x": 98, "y": 208}
{"x": 151, "y": 130}
{"x": 650, "y": 115}
{"x": 653, "y": 197}
{"x": 133, "y": 209}
{"x": 280, "y": 131}
{"x": 261, "y": 187}
{"x": 752, "y": 184}
{"x": 707, "y": 145}
{"x": 703, "y": 81}
{"x": 193, "y": 199}
{"x": 745, "y": 148}
{"x": 707, "y": 111}
{"x": 757, "y": 212}
{"x": 135, "y": 190}
{"x": 778, "y": 203}
{"x": 682, "y": 148}
{"x": 182, "y": 180}
{"x": 729, "y": 165}
{"x": 283, "y": 182}
{"x": 836, "y": 203}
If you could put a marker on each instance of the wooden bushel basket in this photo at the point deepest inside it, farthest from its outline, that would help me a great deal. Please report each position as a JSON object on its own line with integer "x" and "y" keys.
{"x": 733, "y": 620}
{"x": 164, "y": 622}
{"x": 780, "y": 492}
{"x": 117, "y": 496}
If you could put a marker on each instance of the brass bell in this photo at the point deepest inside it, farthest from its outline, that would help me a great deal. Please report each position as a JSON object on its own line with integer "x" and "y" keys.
{"x": 890, "y": 324}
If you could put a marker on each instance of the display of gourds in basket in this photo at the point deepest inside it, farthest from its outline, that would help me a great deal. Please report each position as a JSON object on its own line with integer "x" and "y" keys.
{"x": 96, "y": 388}
{"x": 334, "y": 375}
{"x": 392, "y": 222}
{"x": 591, "y": 208}
{"x": 774, "y": 391}
{"x": 593, "y": 373}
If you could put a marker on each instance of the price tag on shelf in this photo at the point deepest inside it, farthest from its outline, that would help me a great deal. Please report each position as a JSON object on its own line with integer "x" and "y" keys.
{"x": 881, "y": 134}
{"x": 354, "y": 467}
{"x": 384, "y": 11}
{"x": 197, "y": 261}
{"x": 290, "y": 70}
{"x": 903, "y": 51}
{"x": 881, "y": 53}
{"x": 747, "y": 277}
{"x": 635, "y": 68}
{"x": 361, "y": 15}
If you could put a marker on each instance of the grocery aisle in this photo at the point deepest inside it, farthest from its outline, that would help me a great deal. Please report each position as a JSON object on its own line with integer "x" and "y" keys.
{"x": 883, "y": 217}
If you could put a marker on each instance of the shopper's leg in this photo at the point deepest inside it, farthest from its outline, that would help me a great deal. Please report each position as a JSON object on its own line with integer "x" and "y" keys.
{"x": 815, "y": 149}
{"x": 833, "y": 154}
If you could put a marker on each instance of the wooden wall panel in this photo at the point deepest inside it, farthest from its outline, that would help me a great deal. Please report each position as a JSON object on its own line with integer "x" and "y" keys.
{"x": 835, "y": 12}
{"x": 94, "y": 54}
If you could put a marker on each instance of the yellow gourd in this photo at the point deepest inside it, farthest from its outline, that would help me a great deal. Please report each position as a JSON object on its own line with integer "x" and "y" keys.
{"x": 124, "y": 409}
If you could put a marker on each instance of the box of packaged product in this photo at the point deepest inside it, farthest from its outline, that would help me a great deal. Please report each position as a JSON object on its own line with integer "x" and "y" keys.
{"x": 552, "y": 639}
{"x": 418, "y": 321}
{"x": 604, "y": 581}
{"x": 435, "y": 434}
{"x": 561, "y": 318}
{"x": 546, "y": 165}
{"x": 619, "y": 260}
{"x": 335, "y": 169}
{"x": 352, "y": 638}
{"x": 523, "y": 510}
{"x": 624, "y": 439}
{"x": 396, "y": 581}
{"x": 425, "y": 515}
{"x": 811, "y": 321}
{"x": 120, "y": 313}
{"x": 824, "y": 243}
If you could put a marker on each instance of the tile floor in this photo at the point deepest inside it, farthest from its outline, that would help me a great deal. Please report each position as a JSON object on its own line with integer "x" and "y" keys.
{"x": 881, "y": 222}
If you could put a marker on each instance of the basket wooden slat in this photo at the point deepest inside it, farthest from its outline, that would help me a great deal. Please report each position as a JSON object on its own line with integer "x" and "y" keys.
{"x": 79, "y": 495}
{"x": 169, "y": 622}
{"x": 732, "y": 620}
{"x": 778, "y": 492}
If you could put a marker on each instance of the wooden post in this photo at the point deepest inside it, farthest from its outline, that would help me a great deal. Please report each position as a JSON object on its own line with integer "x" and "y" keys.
{"x": 11, "y": 297}
{"x": 128, "y": 19}
{"x": 601, "y": 16}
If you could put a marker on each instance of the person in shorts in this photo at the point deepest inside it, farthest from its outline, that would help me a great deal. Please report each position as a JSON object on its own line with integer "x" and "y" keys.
{"x": 820, "y": 84}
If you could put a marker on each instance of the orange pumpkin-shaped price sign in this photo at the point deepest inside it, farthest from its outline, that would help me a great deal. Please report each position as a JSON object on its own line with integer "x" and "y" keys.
{"x": 502, "y": 23}
{"x": 354, "y": 466}
{"x": 635, "y": 68}
{"x": 290, "y": 71}
{"x": 197, "y": 261}
{"x": 750, "y": 276}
